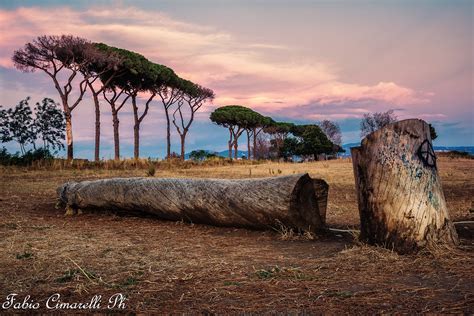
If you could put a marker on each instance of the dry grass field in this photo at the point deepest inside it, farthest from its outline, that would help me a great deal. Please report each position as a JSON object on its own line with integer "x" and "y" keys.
{"x": 178, "y": 267}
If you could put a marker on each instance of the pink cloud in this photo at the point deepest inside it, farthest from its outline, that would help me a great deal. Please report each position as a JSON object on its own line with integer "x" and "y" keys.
{"x": 240, "y": 73}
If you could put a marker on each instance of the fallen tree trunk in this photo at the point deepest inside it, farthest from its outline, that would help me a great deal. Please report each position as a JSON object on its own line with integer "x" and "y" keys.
{"x": 254, "y": 203}
{"x": 401, "y": 202}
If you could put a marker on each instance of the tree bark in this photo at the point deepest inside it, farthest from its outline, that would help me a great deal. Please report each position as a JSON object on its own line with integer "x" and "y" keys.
{"x": 138, "y": 120}
{"x": 69, "y": 140}
{"x": 168, "y": 134}
{"x": 254, "y": 203}
{"x": 401, "y": 201}
{"x": 169, "y": 96}
{"x": 115, "y": 120}
{"x": 136, "y": 141}
{"x": 68, "y": 118}
{"x": 321, "y": 190}
{"x": 230, "y": 143}
{"x": 249, "y": 152}
{"x": 183, "y": 140}
{"x": 116, "y": 124}
{"x": 97, "y": 126}
{"x": 254, "y": 144}
{"x": 136, "y": 129}
{"x": 236, "y": 149}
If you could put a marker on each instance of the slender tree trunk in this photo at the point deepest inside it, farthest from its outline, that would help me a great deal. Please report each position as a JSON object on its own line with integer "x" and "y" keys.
{"x": 138, "y": 120}
{"x": 230, "y": 144}
{"x": 249, "y": 152}
{"x": 68, "y": 118}
{"x": 236, "y": 149}
{"x": 69, "y": 140}
{"x": 254, "y": 144}
{"x": 115, "y": 120}
{"x": 97, "y": 127}
{"x": 183, "y": 140}
{"x": 116, "y": 135}
{"x": 136, "y": 129}
{"x": 136, "y": 141}
{"x": 168, "y": 134}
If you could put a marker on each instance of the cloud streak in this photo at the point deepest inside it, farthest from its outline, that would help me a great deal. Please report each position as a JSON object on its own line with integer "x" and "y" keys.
{"x": 239, "y": 72}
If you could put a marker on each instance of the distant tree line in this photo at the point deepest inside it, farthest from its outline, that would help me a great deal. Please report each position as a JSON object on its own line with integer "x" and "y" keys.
{"x": 284, "y": 139}
{"x": 118, "y": 77}
{"x": 272, "y": 139}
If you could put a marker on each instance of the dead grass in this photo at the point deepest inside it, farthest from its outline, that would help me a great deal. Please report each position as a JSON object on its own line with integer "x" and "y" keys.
{"x": 168, "y": 267}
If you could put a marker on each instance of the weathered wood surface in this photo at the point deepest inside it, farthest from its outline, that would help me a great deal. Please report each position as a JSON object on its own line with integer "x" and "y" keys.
{"x": 401, "y": 201}
{"x": 254, "y": 203}
{"x": 321, "y": 189}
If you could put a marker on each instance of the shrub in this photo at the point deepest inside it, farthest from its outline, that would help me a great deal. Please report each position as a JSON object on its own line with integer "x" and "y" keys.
{"x": 27, "y": 159}
{"x": 201, "y": 155}
{"x": 151, "y": 170}
{"x": 459, "y": 154}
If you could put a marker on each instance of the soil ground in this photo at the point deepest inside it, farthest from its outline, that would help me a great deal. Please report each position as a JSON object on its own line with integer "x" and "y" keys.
{"x": 176, "y": 267}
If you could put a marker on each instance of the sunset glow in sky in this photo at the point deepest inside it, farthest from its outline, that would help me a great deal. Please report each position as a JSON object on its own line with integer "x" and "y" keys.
{"x": 301, "y": 61}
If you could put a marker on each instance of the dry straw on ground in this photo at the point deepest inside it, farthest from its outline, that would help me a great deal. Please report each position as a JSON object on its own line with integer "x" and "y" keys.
{"x": 179, "y": 267}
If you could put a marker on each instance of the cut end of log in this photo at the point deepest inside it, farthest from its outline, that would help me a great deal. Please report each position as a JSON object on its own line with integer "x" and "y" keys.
{"x": 304, "y": 205}
{"x": 321, "y": 190}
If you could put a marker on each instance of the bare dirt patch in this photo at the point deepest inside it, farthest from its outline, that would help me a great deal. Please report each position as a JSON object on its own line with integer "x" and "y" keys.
{"x": 180, "y": 267}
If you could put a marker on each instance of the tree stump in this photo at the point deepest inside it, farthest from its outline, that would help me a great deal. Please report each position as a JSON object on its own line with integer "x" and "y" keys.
{"x": 401, "y": 202}
{"x": 255, "y": 203}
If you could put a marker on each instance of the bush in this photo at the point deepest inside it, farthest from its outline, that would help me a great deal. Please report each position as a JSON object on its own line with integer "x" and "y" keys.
{"x": 201, "y": 155}
{"x": 27, "y": 159}
{"x": 151, "y": 170}
{"x": 459, "y": 154}
{"x": 5, "y": 157}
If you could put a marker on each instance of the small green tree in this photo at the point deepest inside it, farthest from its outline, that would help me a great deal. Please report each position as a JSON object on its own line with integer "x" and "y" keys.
{"x": 308, "y": 140}
{"x": 5, "y": 136}
{"x": 21, "y": 125}
{"x": 290, "y": 147}
{"x": 61, "y": 58}
{"x": 314, "y": 141}
{"x": 50, "y": 124}
{"x": 183, "y": 116}
{"x": 254, "y": 123}
{"x": 226, "y": 116}
{"x": 237, "y": 119}
{"x": 171, "y": 93}
{"x": 200, "y": 155}
{"x": 279, "y": 132}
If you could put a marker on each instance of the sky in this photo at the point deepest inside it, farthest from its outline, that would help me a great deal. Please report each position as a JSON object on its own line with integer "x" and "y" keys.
{"x": 300, "y": 61}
